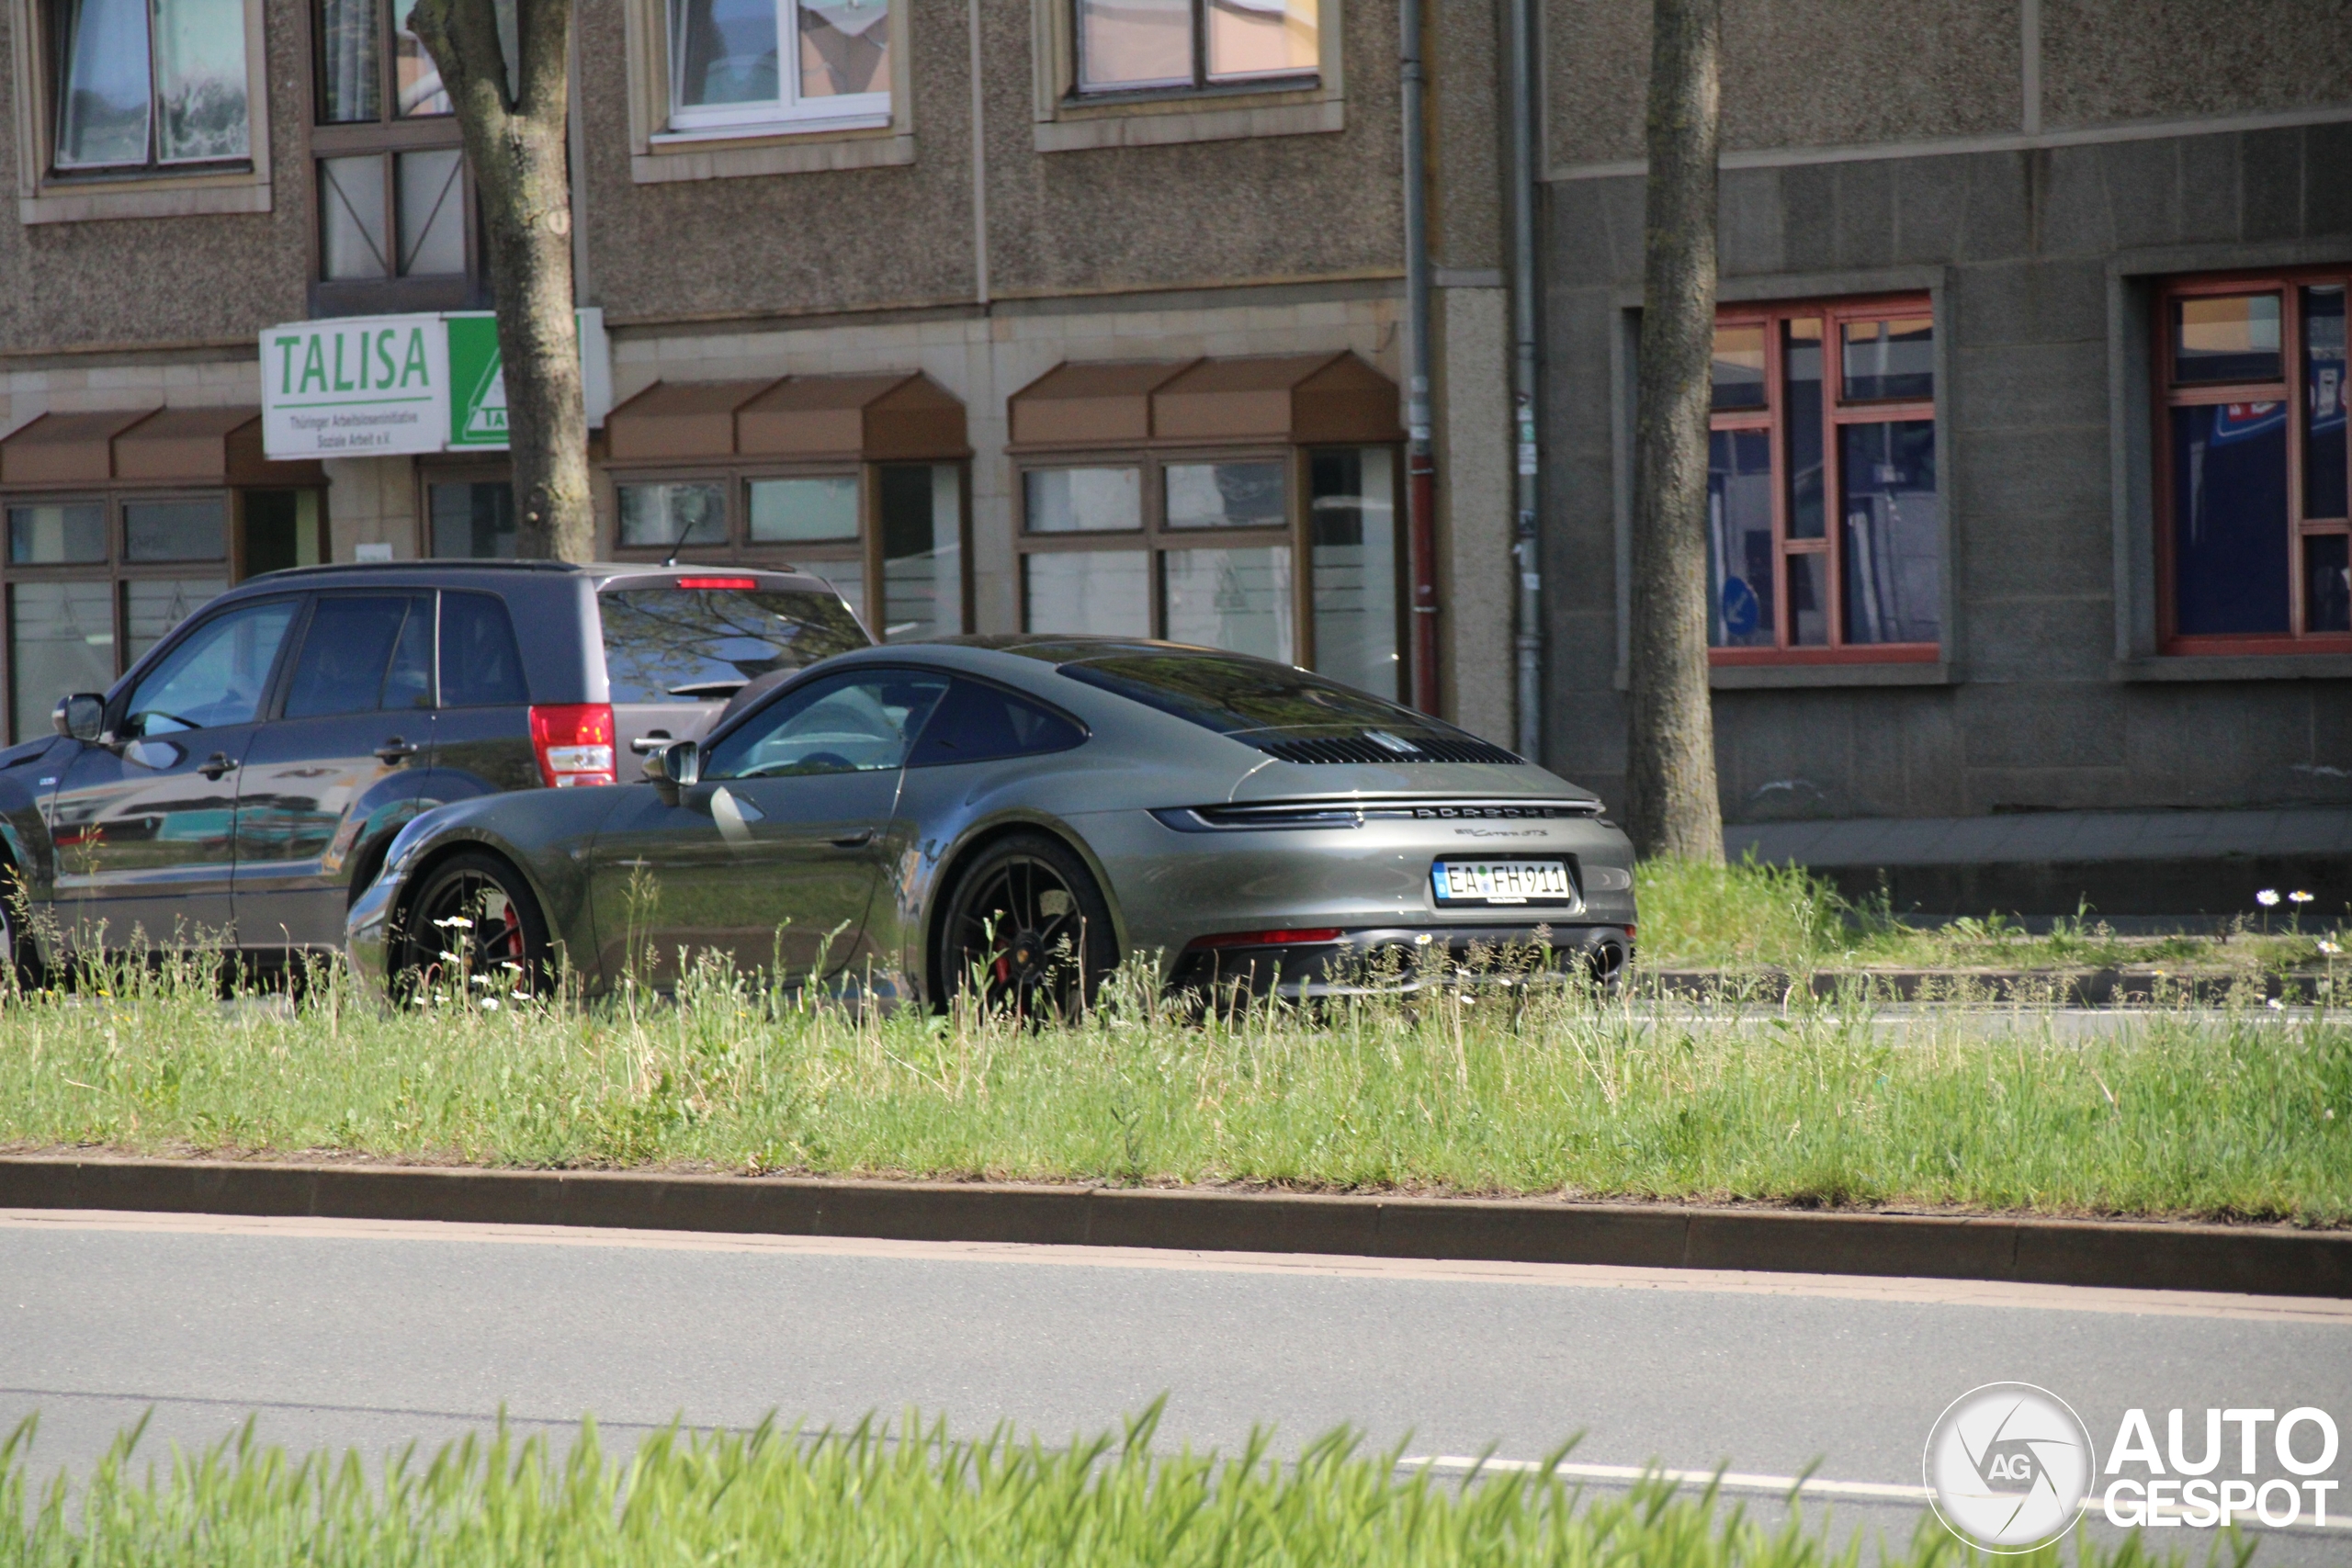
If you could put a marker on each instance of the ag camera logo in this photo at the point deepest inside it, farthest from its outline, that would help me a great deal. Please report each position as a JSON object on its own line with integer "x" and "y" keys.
{"x": 2008, "y": 1466}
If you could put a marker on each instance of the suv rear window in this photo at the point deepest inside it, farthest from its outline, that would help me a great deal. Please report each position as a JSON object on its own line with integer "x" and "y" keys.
{"x": 701, "y": 644}
{"x": 1281, "y": 710}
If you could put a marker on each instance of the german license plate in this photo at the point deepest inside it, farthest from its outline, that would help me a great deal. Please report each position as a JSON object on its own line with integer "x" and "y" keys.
{"x": 1501, "y": 882}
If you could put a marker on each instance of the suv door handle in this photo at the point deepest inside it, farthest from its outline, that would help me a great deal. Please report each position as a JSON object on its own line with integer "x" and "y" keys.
{"x": 215, "y": 766}
{"x": 854, "y": 841}
{"x": 395, "y": 750}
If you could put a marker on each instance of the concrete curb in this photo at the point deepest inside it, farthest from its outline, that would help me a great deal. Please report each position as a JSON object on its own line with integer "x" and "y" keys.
{"x": 2254, "y": 1259}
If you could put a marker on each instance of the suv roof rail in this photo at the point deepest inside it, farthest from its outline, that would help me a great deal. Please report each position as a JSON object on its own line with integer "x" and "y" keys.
{"x": 430, "y": 563}
{"x": 594, "y": 568}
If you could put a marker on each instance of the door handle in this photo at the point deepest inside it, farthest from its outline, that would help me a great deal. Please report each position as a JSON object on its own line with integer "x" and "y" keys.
{"x": 215, "y": 766}
{"x": 395, "y": 750}
{"x": 854, "y": 841}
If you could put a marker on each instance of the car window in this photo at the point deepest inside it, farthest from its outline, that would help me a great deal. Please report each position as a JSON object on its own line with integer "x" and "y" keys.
{"x": 216, "y": 675}
{"x": 361, "y": 653}
{"x": 481, "y": 666}
{"x": 700, "y": 644}
{"x": 978, "y": 723}
{"x": 1282, "y": 709}
{"x": 855, "y": 722}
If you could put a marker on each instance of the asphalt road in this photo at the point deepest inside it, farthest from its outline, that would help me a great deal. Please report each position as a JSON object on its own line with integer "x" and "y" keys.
{"x": 372, "y": 1335}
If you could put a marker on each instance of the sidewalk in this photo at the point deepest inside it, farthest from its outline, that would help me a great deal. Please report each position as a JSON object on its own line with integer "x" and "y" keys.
{"x": 2126, "y": 863}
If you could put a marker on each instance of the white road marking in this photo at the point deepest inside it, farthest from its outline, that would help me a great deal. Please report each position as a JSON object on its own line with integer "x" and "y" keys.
{"x": 1779, "y": 1485}
{"x": 1576, "y": 1276}
{"x": 1728, "y": 1480}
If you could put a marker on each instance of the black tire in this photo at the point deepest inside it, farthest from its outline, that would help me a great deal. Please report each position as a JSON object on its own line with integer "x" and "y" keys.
{"x": 16, "y": 948}
{"x": 504, "y": 941}
{"x": 1027, "y": 927}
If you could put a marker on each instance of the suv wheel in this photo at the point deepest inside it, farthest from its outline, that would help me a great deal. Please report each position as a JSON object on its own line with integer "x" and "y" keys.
{"x": 474, "y": 924}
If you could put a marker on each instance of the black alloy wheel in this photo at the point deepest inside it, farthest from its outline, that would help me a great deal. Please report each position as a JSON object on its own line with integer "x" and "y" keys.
{"x": 473, "y": 923}
{"x": 1027, "y": 931}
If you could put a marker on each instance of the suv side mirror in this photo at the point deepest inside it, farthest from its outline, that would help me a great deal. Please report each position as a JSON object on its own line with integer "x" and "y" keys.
{"x": 81, "y": 716}
{"x": 675, "y": 766}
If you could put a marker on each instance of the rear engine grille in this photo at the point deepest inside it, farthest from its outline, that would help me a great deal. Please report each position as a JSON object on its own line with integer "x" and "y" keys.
{"x": 1356, "y": 749}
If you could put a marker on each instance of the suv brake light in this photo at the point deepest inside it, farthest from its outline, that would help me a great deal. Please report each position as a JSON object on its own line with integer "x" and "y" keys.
{"x": 574, "y": 742}
{"x": 739, "y": 584}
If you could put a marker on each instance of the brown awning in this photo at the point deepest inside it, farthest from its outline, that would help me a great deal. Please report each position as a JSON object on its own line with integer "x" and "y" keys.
{"x": 673, "y": 420}
{"x": 902, "y": 416}
{"x": 65, "y": 449}
{"x": 205, "y": 446}
{"x": 156, "y": 446}
{"x": 1098, "y": 404}
{"x": 878, "y": 418}
{"x": 1291, "y": 399}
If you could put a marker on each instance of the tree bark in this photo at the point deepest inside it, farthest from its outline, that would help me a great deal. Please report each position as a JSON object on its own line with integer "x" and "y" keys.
{"x": 1671, "y": 806}
{"x": 515, "y": 138}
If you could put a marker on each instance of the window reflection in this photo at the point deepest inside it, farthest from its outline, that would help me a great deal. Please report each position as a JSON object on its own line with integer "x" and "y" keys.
{"x": 1069, "y": 501}
{"x": 2226, "y": 338}
{"x": 1739, "y": 538}
{"x": 1261, "y": 38}
{"x": 923, "y": 550}
{"x": 1893, "y": 561}
{"x": 693, "y": 514}
{"x": 1739, "y": 367}
{"x": 2230, "y": 539}
{"x": 1238, "y": 600}
{"x": 1225, "y": 495}
{"x": 1890, "y": 359}
{"x": 1800, "y": 373}
{"x": 2323, "y": 399}
{"x": 1105, "y": 592}
{"x": 1351, "y": 527}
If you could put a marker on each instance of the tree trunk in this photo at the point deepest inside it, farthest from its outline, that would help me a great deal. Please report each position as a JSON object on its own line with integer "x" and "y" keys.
{"x": 1671, "y": 806}
{"x": 515, "y": 146}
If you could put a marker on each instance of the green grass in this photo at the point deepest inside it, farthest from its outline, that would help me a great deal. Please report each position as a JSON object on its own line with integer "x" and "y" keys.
{"x": 863, "y": 1501}
{"x": 2206, "y": 1113}
{"x": 1747, "y": 915}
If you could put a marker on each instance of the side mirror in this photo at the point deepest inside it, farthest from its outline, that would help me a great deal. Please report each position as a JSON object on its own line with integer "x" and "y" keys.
{"x": 80, "y": 716}
{"x": 675, "y": 766}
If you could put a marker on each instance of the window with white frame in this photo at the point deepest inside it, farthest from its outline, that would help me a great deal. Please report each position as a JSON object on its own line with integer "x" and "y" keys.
{"x": 1125, "y": 46}
{"x": 737, "y": 63}
{"x": 150, "y": 84}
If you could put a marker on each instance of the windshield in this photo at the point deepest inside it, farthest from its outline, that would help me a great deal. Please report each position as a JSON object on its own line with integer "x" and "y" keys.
{"x": 1279, "y": 708}
{"x": 700, "y": 645}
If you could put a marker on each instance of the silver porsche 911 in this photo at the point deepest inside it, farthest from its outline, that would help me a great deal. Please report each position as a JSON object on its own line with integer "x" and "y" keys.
{"x": 1018, "y": 815}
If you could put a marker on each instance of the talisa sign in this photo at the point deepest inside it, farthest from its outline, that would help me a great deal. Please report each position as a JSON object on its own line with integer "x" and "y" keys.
{"x": 382, "y": 385}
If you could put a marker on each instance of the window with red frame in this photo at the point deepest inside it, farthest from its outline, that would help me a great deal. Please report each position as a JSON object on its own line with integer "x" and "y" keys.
{"x": 2257, "y": 538}
{"x": 1825, "y": 526}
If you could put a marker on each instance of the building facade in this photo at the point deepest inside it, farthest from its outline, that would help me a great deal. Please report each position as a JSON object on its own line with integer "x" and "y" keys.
{"x": 2029, "y": 457}
{"x": 1089, "y": 315}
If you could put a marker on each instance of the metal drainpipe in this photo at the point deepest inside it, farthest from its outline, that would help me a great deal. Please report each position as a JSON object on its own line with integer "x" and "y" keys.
{"x": 1420, "y": 467}
{"x": 1526, "y": 369}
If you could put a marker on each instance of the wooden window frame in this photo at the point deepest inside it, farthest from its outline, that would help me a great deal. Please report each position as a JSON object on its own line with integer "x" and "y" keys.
{"x": 1836, "y": 413}
{"x": 1156, "y": 538}
{"x": 2288, "y": 285}
{"x": 116, "y": 571}
{"x": 384, "y": 137}
{"x": 735, "y": 480}
{"x": 1202, "y": 84}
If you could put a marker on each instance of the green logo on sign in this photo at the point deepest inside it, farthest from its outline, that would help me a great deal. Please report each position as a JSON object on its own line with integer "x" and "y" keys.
{"x": 478, "y": 409}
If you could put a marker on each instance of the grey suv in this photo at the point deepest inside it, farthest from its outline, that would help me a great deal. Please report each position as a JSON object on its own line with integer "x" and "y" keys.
{"x": 243, "y": 781}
